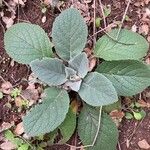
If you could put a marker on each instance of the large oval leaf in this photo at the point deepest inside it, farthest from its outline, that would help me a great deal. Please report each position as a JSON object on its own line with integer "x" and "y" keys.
{"x": 130, "y": 45}
{"x": 69, "y": 33}
{"x": 87, "y": 127}
{"x": 97, "y": 90}
{"x": 49, "y": 70}
{"x": 26, "y": 42}
{"x": 129, "y": 77}
{"x": 49, "y": 115}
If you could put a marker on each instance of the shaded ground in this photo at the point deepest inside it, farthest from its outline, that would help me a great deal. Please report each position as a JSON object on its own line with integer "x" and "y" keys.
{"x": 131, "y": 131}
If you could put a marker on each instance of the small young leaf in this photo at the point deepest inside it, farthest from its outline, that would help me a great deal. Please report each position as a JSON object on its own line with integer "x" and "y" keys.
{"x": 26, "y": 42}
{"x": 49, "y": 115}
{"x": 129, "y": 77}
{"x": 70, "y": 73}
{"x": 80, "y": 63}
{"x": 23, "y": 147}
{"x": 75, "y": 86}
{"x": 97, "y": 90}
{"x": 87, "y": 127}
{"x": 130, "y": 45}
{"x": 67, "y": 128}
{"x": 137, "y": 115}
{"x": 143, "y": 113}
{"x": 69, "y": 33}
{"x": 49, "y": 70}
{"x": 128, "y": 115}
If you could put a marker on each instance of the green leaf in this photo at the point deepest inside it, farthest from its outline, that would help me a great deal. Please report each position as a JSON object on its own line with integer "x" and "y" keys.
{"x": 87, "y": 127}
{"x": 67, "y": 128}
{"x": 70, "y": 73}
{"x": 80, "y": 63}
{"x": 69, "y": 34}
{"x": 137, "y": 115}
{"x": 49, "y": 115}
{"x": 129, "y": 77}
{"x": 97, "y": 90}
{"x": 26, "y": 42}
{"x": 75, "y": 86}
{"x": 23, "y": 147}
{"x": 9, "y": 135}
{"x": 128, "y": 115}
{"x": 130, "y": 45}
{"x": 49, "y": 70}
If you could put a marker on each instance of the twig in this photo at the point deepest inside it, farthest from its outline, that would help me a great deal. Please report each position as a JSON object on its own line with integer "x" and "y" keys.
{"x": 95, "y": 138}
{"x": 103, "y": 14}
{"x": 101, "y": 30}
{"x": 123, "y": 18}
{"x": 119, "y": 147}
{"x": 112, "y": 38}
{"x": 2, "y": 26}
{"x": 18, "y": 12}
{"x": 94, "y": 38}
{"x": 9, "y": 6}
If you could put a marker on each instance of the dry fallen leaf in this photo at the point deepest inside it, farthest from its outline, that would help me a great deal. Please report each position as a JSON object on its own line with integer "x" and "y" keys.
{"x": 7, "y": 145}
{"x": 92, "y": 64}
{"x": 21, "y": 2}
{"x": 142, "y": 103}
{"x": 144, "y": 29}
{"x": 8, "y": 21}
{"x": 31, "y": 93}
{"x": 117, "y": 114}
{"x": 134, "y": 28}
{"x": 19, "y": 128}
{"x": 18, "y": 101}
{"x": 143, "y": 144}
{"x": 6, "y": 126}
{"x": 43, "y": 19}
{"x": 6, "y": 87}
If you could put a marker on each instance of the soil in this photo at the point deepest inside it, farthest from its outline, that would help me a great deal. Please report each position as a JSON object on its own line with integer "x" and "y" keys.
{"x": 131, "y": 131}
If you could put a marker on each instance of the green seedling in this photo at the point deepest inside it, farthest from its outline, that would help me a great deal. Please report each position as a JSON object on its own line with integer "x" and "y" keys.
{"x": 19, "y": 143}
{"x": 135, "y": 111}
{"x": 15, "y": 92}
{"x": 98, "y": 22}
{"x": 121, "y": 74}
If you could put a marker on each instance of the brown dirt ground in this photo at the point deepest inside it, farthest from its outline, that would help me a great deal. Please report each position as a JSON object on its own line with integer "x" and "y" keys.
{"x": 129, "y": 129}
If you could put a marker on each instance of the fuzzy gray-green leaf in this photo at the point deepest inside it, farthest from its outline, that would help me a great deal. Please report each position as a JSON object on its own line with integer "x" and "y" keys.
{"x": 129, "y": 77}
{"x": 69, "y": 34}
{"x": 87, "y": 127}
{"x": 26, "y": 42}
{"x": 47, "y": 116}
{"x": 49, "y": 70}
{"x": 130, "y": 45}
{"x": 80, "y": 63}
{"x": 97, "y": 90}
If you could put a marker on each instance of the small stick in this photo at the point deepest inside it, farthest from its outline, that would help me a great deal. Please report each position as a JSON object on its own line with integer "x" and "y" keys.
{"x": 103, "y": 14}
{"x": 94, "y": 38}
{"x": 123, "y": 18}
